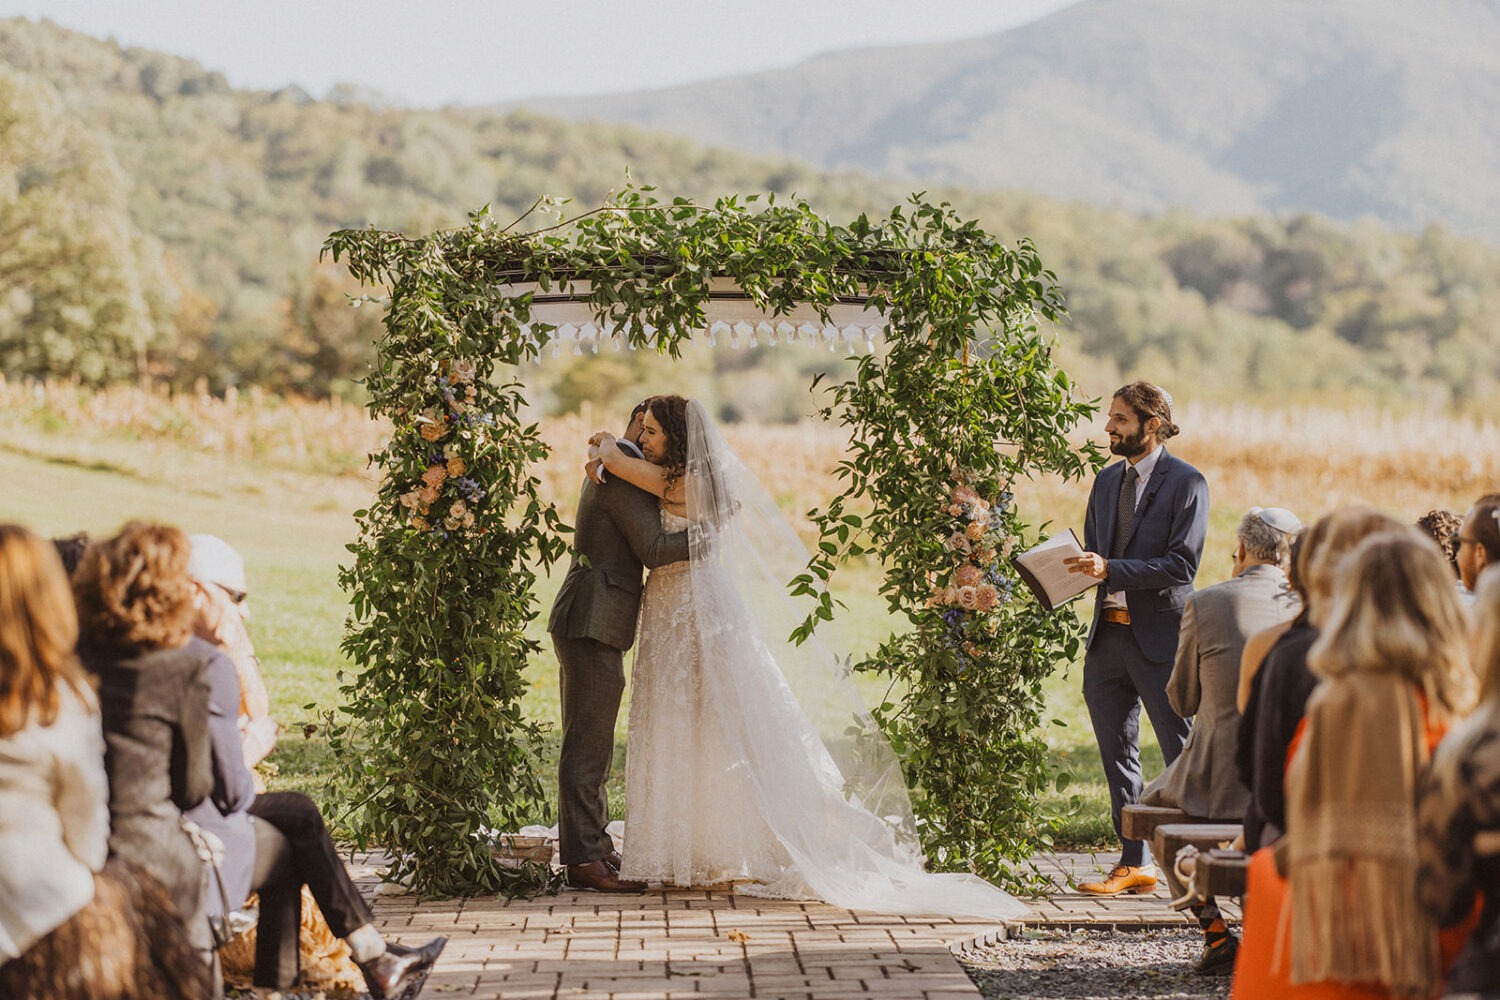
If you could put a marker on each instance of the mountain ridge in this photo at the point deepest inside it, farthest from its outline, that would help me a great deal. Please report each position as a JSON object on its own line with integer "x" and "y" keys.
{"x": 1347, "y": 108}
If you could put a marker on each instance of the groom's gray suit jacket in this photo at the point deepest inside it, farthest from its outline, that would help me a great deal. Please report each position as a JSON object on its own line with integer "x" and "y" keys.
{"x": 617, "y": 534}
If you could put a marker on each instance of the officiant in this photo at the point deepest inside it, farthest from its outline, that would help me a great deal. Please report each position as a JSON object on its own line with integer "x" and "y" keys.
{"x": 1143, "y": 537}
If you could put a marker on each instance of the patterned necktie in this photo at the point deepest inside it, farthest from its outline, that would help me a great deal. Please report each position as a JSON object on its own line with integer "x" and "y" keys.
{"x": 1125, "y": 515}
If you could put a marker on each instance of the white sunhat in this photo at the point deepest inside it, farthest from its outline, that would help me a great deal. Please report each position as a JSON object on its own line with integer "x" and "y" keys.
{"x": 214, "y": 560}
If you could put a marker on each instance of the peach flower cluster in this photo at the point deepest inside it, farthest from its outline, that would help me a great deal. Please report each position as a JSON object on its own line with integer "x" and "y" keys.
{"x": 976, "y": 543}
{"x": 446, "y": 496}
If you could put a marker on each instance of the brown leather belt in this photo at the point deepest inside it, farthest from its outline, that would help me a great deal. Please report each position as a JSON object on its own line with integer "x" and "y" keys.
{"x": 1117, "y": 616}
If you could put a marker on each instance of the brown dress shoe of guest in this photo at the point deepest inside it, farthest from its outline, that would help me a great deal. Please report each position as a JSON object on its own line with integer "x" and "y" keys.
{"x": 399, "y": 972}
{"x": 601, "y": 877}
{"x": 1122, "y": 878}
{"x": 615, "y": 861}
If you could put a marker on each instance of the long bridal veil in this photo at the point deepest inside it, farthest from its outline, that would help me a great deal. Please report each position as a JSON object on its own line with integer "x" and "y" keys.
{"x": 820, "y": 772}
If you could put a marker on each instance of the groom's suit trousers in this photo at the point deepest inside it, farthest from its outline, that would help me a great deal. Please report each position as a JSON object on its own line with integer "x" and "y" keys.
{"x": 592, "y": 681}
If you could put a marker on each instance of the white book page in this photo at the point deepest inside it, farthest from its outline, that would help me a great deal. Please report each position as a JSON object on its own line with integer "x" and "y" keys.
{"x": 1045, "y": 563}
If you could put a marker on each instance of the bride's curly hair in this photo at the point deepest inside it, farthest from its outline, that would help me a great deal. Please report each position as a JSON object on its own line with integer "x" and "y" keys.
{"x": 671, "y": 413}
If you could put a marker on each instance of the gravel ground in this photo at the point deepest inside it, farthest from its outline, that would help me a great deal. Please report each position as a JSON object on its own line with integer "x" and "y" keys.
{"x": 1092, "y": 965}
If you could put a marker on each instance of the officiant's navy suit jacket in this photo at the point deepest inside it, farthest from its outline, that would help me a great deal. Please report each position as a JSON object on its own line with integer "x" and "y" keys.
{"x": 1161, "y": 555}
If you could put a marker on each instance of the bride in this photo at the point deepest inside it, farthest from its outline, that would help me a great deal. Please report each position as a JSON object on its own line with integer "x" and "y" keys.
{"x": 750, "y": 759}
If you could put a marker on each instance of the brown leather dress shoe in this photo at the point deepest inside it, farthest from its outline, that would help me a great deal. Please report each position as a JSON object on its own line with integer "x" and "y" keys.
{"x": 399, "y": 972}
{"x": 615, "y": 861}
{"x": 601, "y": 877}
{"x": 1122, "y": 878}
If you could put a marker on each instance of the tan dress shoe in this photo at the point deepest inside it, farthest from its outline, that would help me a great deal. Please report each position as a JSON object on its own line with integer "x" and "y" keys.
{"x": 1122, "y": 878}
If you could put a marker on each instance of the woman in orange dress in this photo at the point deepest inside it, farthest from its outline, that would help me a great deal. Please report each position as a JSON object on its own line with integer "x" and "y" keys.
{"x": 1332, "y": 910}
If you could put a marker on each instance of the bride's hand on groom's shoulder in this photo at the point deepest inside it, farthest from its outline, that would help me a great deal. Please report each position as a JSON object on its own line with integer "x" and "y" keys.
{"x": 605, "y": 446}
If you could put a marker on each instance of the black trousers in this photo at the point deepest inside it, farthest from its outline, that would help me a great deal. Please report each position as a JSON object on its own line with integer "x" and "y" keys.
{"x": 293, "y": 849}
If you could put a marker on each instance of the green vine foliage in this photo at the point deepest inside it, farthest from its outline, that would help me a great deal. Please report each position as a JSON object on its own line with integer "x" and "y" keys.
{"x": 432, "y": 741}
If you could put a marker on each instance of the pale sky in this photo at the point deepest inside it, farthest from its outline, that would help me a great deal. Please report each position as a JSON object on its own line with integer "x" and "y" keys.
{"x": 434, "y": 52}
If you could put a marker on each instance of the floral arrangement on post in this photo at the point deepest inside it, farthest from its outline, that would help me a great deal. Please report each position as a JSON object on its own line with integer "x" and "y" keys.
{"x": 445, "y": 499}
{"x": 979, "y": 542}
{"x": 432, "y": 753}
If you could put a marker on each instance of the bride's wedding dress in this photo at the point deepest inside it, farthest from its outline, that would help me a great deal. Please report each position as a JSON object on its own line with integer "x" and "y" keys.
{"x": 751, "y": 759}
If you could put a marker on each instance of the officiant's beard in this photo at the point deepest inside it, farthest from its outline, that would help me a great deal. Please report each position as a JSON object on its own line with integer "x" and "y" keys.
{"x": 1132, "y": 446}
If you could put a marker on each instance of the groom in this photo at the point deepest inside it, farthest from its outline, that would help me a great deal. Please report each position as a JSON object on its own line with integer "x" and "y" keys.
{"x": 593, "y": 621}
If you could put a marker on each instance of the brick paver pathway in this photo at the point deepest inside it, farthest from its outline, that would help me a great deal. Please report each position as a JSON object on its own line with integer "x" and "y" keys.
{"x": 713, "y": 943}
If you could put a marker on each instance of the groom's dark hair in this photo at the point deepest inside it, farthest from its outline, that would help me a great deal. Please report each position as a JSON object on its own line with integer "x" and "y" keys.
{"x": 640, "y": 407}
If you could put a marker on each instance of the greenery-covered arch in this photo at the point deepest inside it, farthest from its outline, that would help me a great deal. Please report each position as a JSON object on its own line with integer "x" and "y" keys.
{"x": 434, "y": 747}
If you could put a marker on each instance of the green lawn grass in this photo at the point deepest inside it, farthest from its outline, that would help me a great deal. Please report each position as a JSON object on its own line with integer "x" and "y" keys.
{"x": 292, "y": 529}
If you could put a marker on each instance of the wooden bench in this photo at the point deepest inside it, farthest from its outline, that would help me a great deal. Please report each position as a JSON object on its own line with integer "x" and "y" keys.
{"x": 1223, "y": 873}
{"x": 1169, "y": 838}
{"x": 1138, "y": 822}
{"x": 1167, "y": 829}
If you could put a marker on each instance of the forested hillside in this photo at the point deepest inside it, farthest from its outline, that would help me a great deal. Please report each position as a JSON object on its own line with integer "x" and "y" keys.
{"x": 155, "y": 222}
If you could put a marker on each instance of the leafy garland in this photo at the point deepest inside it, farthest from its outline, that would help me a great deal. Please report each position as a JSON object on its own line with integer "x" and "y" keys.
{"x": 432, "y": 737}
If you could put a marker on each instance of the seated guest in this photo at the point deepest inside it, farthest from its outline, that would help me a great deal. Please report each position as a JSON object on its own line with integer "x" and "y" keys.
{"x": 70, "y": 926}
{"x": 276, "y": 843}
{"x": 135, "y": 606}
{"x": 1479, "y": 539}
{"x": 1202, "y": 782}
{"x": 222, "y": 600}
{"x": 1282, "y": 686}
{"x": 1335, "y": 912}
{"x": 1258, "y": 644}
{"x": 1458, "y": 814}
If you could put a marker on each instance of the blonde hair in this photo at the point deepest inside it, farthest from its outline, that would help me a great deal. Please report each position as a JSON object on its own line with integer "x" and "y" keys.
{"x": 134, "y": 592}
{"x": 1394, "y": 609}
{"x": 1458, "y": 747}
{"x": 1486, "y": 651}
{"x": 1328, "y": 542}
{"x": 38, "y": 632}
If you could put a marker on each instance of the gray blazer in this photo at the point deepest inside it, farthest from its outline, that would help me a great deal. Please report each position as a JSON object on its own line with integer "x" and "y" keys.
{"x": 1216, "y": 621}
{"x": 159, "y": 761}
{"x": 618, "y": 533}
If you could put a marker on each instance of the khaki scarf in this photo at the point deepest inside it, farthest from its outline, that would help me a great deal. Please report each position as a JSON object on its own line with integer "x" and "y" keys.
{"x": 1350, "y": 849}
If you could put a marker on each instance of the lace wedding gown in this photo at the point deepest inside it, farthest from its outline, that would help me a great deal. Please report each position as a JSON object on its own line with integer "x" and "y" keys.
{"x": 742, "y": 764}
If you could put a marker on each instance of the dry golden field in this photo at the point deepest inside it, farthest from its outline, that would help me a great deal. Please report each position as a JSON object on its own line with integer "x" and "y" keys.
{"x": 1308, "y": 459}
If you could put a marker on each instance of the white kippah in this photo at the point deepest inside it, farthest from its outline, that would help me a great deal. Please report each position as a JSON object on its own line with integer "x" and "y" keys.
{"x": 1279, "y": 518}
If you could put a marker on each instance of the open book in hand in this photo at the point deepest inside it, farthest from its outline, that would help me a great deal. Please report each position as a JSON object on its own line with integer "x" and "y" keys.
{"x": 1042, "y": 569}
